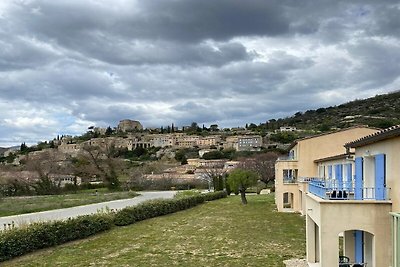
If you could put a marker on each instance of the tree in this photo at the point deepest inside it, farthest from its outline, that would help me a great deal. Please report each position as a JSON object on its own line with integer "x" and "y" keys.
{"x": 214, "y": 174}
{"x": 284, "y": 137}
{"x": 263, "y": 164}
{"x": 241, "y": 179}
{"x": 109, "y": 131}
{"x": 45, "y": 165}
{"x": 103, "y": 161}
{"x": 214, "y": 155}
{"x": 23, "y": 147}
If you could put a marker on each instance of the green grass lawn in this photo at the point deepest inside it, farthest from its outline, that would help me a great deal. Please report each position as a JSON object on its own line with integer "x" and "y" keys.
{"x": 218, "y": 233}
{"x": 19, "y": 205}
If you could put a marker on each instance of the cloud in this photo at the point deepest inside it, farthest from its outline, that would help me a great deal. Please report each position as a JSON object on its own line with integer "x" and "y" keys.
{"x": 68, "y": 64}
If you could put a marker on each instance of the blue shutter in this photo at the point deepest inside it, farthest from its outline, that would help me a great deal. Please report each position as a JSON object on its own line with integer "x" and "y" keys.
{"x": 349, "y": 176}
{"x": 358, "y": 183}
{"x": 380, "y": 177}
{"x": 359, "y": 247}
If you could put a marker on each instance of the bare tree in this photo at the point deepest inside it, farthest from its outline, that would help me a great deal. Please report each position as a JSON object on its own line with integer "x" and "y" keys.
{"x": 101, "y": 160}
{"x": 45, "y": 164}
{"x": 262, "y": 164}
{"x": 213, "y": 174}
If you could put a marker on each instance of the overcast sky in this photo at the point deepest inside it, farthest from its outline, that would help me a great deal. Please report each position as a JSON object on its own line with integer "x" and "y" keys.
{"x": 69, "y": 64}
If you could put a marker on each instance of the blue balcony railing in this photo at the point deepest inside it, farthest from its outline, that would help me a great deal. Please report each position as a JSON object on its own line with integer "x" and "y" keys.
{"x": 335, "y": 190}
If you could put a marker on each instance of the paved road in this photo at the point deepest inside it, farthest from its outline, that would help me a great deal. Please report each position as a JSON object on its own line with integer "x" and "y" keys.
{"x": 82, "y": 210}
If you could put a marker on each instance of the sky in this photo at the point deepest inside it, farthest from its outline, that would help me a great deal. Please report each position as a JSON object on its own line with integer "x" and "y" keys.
{"x": 66, "y": 65}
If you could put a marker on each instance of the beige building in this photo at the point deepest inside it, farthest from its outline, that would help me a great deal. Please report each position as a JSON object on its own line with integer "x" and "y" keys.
{"x": 292, "y": 173}
{"x": 163, "y": 140}
{"x": 207, "y": 141}
{"x": 70, "y": 149}
{"x": 363, "y": 213}
{"x": 186, "y": 141}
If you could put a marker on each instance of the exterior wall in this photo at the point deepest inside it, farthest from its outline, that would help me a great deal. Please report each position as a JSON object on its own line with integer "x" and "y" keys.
{"x": 249, "y": 142}
{"x": 325, "y": 146}
{"x": 304, "y": 154}
{"x": 69, "y": 148}
{"x": 335, "y": 217}
{"x": 287, "y": 129}
{"x": 162, "y": 141}
{"x": 391, "y": 148}
{"x": 208, "y": 141}
{"x": 303, "y": 189}
{"x": 281, "y": 187}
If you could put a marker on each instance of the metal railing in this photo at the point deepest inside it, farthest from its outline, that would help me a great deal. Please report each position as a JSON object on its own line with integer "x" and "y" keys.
{"x": 290, "y": 180}
{"x": 346, "y": 190}
{"x": 286, "y": 158}
{"x": 309, "y": 179}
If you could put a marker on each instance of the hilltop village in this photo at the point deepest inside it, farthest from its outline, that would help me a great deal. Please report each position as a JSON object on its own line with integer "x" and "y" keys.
{"x": 185, "y": 157}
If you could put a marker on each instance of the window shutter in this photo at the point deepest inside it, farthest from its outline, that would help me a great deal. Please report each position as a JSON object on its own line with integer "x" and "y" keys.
{"x": 358, "y": 183}
{"x": 380, "y": 179}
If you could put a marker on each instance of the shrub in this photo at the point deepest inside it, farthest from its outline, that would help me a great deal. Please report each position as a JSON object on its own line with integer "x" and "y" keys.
{"x": 154, "y": 208}
{"x": 20, "y": 241}
{"x": 215, "y": 195}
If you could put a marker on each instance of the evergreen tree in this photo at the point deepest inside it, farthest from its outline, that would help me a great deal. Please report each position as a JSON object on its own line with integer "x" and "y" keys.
{"x": 109, "y": 131}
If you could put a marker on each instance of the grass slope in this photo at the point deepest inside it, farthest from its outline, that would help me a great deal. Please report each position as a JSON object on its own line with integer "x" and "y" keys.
{"x": 19, "y": 205}
{"x": 218, "y": 233}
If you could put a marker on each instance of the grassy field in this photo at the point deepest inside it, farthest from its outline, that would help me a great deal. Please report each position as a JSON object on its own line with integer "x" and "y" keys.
{"x": 218, "y": 233}
{"x": 19, "y": 205}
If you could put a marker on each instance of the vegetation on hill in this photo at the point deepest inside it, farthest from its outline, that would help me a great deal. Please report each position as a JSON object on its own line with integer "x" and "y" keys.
{"x": 381, "y": 111}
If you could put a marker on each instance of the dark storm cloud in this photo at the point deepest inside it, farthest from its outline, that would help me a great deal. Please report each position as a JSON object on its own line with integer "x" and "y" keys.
{"x": 189, "y": 20}
{"x": 172, "y": 33}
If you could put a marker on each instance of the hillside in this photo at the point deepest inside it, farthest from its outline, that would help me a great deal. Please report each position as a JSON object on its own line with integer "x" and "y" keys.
{"x": 2, "y": 150}
{"x": 381, "y": 111}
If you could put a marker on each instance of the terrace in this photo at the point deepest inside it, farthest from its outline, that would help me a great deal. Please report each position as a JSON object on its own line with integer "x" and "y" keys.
{"x": 346, "y": 190}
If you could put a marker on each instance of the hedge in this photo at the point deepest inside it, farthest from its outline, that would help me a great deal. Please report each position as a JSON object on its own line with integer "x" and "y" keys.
{"x": 154, "y": 208}
{"x": 19, "y": 241}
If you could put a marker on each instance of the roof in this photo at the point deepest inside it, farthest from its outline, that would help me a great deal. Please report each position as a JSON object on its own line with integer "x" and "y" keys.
{"x": 390, "y": 132}
{"x": 341, "y": 156}
{"x": 332, "y": 132}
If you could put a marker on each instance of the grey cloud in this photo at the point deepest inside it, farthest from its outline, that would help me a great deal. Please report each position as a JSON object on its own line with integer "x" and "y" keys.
{"x": 225, "y": 62}
{"x": 379, "y": 63}
{"x": 160, "y": 52}
{"x": 23, "y": 53}
{"x": 164, "y": 32}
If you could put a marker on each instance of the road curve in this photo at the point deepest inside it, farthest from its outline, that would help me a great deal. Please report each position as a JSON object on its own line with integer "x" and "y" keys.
{"x": 61, "y": 214}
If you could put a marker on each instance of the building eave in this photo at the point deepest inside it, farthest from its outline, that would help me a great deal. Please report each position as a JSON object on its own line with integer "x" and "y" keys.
{"x": 388, "y": 133}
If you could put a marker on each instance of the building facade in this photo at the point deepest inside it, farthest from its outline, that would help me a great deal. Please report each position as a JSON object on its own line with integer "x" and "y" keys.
{"x": 292, "y": 173}
{"x": 357, "y": 208}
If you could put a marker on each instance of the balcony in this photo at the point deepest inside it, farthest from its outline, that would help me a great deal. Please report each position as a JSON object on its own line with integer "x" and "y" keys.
{"x": 287, "y": 158}
{"x": 309, "y": 179}
{"x": 289, "y": 180}
{"x": 346, "y": 190}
